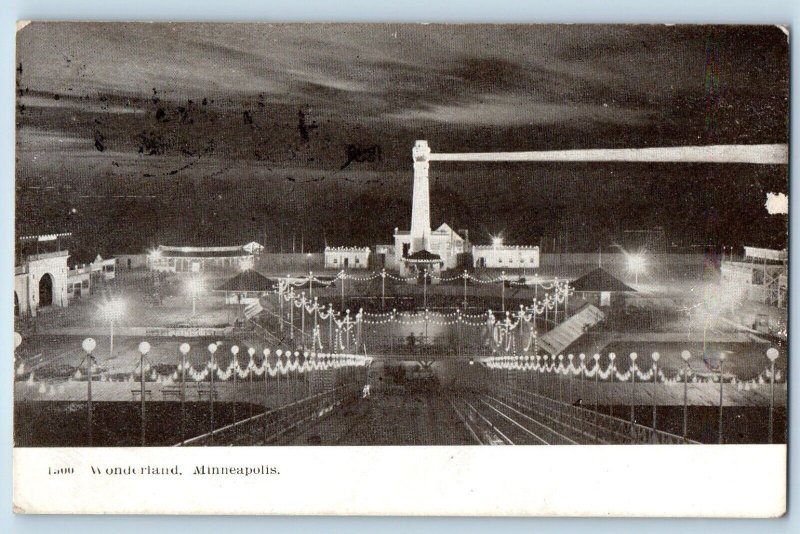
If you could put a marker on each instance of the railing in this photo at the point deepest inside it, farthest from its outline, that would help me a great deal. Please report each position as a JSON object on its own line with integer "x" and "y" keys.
{"x": 269, "y": 426}
{"x": 597, "y": 427}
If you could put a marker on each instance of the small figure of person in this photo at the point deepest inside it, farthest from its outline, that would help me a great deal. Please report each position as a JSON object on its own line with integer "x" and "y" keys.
{"x": 412, "y": 340}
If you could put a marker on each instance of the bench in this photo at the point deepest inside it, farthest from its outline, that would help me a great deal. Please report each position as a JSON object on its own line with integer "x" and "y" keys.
{"x": 205, "y": 393}
{"x": 171, "y": 392}
{"x": 137, "y": 394}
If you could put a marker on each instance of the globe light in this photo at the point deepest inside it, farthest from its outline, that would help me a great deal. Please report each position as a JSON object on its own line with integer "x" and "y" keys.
{"x": 235, "y": 349}
{"x": 633, "y": 356}
{"x": 144, "y": 347}
{"x": 88, "y": 345}
{"x": 686, "y": 355}
{"x": 266, "y": 353}
{"x": 612, "y": 356}
{"x": 772, "y": 354}
{"x": 17, "y": 339}
{"x": 636, "y": 263}
{"x": 596, "y": 357}
{"x": 655, "y": 356}
{"x": 184, "y": 348}
{"x": 113, "y": 309}
{"x": 212, "y": 348}
{"x": 251, "y": 351}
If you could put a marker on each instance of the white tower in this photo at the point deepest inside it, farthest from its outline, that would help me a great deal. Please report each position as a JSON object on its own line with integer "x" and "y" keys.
{"x": 421, "y": 207}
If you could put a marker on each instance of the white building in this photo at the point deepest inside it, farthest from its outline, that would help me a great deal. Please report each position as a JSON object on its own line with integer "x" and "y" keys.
{"x": 443, "y": 242}
{"x": 761, "y": 277}
{"x": 199, "y": 259}
{"x": 40, "y": 274}
{"x": 347, "y": 257}
{"x": 500, "y": 256}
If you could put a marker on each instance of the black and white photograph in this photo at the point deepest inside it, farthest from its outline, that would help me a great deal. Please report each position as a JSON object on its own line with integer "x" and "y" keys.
{"x": 267, "y": 235}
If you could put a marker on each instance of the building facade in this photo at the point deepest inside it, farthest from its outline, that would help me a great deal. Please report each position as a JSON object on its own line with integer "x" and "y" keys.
{"x": 347, "y": 257}
{"x": 199, "y": 259}
{"x": 762, "y": 277}
{"x": 500, "y": 256}
{"x": 40, "y": 274}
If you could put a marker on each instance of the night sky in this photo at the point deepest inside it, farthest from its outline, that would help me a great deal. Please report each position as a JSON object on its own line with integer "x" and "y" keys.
{"x": 131, "y": 135}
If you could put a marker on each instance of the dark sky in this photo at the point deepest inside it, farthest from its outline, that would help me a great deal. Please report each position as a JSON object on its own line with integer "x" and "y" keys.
{"x": 131, "y": 135}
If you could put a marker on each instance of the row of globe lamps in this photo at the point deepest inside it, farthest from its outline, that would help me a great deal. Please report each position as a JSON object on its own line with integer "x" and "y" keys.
{"x": 89, "y": 345}
{"x": 772, "y": 355}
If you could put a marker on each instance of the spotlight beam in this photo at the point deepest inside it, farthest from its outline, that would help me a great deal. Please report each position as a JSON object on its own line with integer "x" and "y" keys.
{"x": 777, "y": 154}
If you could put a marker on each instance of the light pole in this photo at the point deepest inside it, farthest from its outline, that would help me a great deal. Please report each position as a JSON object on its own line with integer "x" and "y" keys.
{"x": 234, "y": 369}
{"x": 633, "y": 357}
{"x": 88, "y": 346}
{"x": 655, "y": 356}
{"x": 212, "y": 348}
{"x": 503, "y": 289}
{"x": 383, "y": 289}
{"x": 721, "y": 382}
{"x": 685, "y": 355}
{"x": 112, "y": 310}
{"x": 266, "y": 391}
{"x": 195, "y": 286}
{"x": 425, "y": 288}
{"x": 184, "y": 350}
{"x": 466, "y": 276}
{"x": 342, "y": 275}
{"x": 250, "y": 367}
{"x": 636, "y": 264}
{"x": 772, "y": 354}
{"x": 144, "y": 348}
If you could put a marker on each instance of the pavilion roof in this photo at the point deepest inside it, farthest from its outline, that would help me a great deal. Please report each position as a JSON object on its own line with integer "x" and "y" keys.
{"x": 600, "y": 280}
{"x": 248, "y": 280}
{"x": 423, "y": 256}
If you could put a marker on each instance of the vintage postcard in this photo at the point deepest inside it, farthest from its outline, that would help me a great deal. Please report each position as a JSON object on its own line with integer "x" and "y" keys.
{"x": 346, "y": 268}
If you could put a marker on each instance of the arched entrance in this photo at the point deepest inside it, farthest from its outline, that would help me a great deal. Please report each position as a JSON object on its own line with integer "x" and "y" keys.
{"x": 46, "y": 290}
{"x": 16, "y": 304}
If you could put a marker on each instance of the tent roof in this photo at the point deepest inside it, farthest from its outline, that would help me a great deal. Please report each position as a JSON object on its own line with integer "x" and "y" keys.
{"x": 600, "y": 280}
{"x": 248, "y": 280}
{"x": 423, "y": 256}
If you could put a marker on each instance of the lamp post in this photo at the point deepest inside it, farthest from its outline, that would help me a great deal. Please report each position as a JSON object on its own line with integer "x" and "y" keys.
{"x": 503, "y": 289}
{"x": 596, "y": 359}
{"x": 112, "y": 310}
{"x": 195, "y": 286}
{"x": 383, "y": 289}
{"x": 655, "y": 356}
{"x": 342, "y": 275}
{"x": 772, "y": 354}
{"x": 234, "y": 371}
{"x": 612, "y": 372}
{"x": 425, "y": 288}
{"x": 636, "y": 264}
{"x": 212, "y": 348}
{"x": 266, "y": 391}
{"x": 685, "y": 355}
{"x": 144, "y": 348}
{"x": 250, "y": 367}
{"x": 582, "y": 358}
{"x": 633, "y": 357}
{"x": 466, "y": 276}
{"x": 310, "y": 284}
{"x": 184, "y": 350}
{"x": 721, "y": 383}
{"x": 88, "y": 346}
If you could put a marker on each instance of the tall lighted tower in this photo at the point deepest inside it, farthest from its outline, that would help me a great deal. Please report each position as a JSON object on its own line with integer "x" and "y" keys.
{"x": 421, "y": 206}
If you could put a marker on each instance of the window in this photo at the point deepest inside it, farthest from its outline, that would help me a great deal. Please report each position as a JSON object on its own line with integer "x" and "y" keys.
{"x": 86, "y": 283}
{"x": 357, "y": 261}
{"x": 335, "y": 261}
